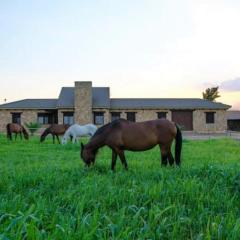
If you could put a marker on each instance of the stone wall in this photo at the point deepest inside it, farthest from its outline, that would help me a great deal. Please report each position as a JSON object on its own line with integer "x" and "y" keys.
{"x": 5, "y": 118}
{"x": 83, "y": 102}
{"x": 200, "y": 125}
{"x": 142, "y": 115}
{"x": 199, "y": 117}
{"x": 145, "y": 115}
{"x": 27, "y": 116}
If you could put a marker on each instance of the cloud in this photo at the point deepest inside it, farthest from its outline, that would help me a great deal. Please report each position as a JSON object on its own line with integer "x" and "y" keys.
{"x": 231, "y": 85}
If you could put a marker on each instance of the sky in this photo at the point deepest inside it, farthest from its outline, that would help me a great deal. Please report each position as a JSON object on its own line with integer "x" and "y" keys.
{"x": 139, "y": 48}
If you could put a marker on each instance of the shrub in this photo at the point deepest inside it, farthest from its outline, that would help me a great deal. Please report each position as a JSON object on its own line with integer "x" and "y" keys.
{"x": 33, "y": 126}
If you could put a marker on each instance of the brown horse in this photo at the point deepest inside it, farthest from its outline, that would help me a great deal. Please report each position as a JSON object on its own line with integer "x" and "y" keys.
{"x": 17, "y": 129}
{"x": 56, "y": 130}
{"x": 122, "y": 135}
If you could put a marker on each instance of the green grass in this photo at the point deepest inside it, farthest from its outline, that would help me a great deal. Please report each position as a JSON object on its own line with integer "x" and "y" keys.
{"x": 47, "y": 193}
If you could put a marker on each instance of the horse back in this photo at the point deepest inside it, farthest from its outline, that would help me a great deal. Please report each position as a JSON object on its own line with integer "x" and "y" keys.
{"x": 151, "y": 127}
{"x": 14, "y": 127}
{"x": 58, "y": 129}
{"x": 141, "y": 135}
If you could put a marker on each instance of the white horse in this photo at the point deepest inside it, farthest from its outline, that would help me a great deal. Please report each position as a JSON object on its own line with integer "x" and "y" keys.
{"x": 78, "y": 131}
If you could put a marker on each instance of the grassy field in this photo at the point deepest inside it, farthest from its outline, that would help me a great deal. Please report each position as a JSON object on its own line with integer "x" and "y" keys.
{"x": 46, "y": 193}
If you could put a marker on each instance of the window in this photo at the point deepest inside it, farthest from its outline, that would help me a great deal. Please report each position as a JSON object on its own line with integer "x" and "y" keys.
{"x": 68, "y": 118}
{"x": 98, "y": 118}
{"x": 210, "y": 117}
{"x": 162, "y": 115}
{"x": 16, "y": 118}
{"x": 115, "y": 115}
{"x": 131, "y": 116}
{"x": 45, "y": 118}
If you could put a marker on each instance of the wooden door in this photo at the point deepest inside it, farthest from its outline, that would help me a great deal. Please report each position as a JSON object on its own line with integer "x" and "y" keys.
{"x": 184, "y": 118}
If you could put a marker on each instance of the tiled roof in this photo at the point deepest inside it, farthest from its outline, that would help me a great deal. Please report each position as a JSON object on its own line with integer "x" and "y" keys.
{"x": 165, "y": 103}
{"x": 31, "y": 104}
{"x": 101, "y": 99}
{"x": 100, "y": 95}
{"x": 66, "y": 98}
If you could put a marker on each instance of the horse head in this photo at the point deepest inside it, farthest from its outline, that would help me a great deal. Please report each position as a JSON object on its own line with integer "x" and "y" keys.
{"x": 64, "y": 140}
{"x": 25, "y": 133}
{"x": 42, "y": 138}
{"x": 87, "y": 155}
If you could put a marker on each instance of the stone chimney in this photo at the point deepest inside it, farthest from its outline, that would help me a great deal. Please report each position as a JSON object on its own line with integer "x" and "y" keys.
{"x": 83, "y": 102}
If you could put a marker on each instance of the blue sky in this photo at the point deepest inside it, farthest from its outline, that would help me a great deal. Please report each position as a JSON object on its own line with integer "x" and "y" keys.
{"x": 148, "y": 48}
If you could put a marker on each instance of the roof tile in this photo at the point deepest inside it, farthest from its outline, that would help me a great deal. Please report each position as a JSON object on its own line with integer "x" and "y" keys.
{"x": 165, "y": 103}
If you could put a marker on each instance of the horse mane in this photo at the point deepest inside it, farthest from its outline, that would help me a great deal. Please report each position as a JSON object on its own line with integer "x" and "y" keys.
{"x": 45, "y": 133}
{"x": 113, "y": 124}
{"x": 67, "y": 131}
{"x": 101, "y": 129}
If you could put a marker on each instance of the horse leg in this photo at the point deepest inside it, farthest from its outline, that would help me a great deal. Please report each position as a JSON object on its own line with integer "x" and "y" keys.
{"x": 114, "y": 159}
{"x": 170, "y": 158}
{"x": 122, "y": 158}
{"x": 15, "y": 136}
{"x": 58, "y": 139}
{"x": 164, "y": 156}
{"x": 164, "y": 160}
{"x": 53, "y": 136}
{"x": 169, "y": 153}
{"x": 74, "y": 139}
{"x": 9, "y": 136}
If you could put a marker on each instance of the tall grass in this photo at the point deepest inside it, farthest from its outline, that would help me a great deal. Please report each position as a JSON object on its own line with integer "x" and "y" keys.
{"x": 47, "y": 193}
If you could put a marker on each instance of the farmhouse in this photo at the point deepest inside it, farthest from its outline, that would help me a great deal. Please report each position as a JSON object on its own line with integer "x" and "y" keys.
{"x": 85, "y": 104}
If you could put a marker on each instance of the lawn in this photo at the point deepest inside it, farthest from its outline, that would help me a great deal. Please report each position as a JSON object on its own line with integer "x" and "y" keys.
{"x": 47, "y": 193}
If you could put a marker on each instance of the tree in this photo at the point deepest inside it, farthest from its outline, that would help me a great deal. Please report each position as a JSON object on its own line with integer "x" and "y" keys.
{"x": 211, "y": 94}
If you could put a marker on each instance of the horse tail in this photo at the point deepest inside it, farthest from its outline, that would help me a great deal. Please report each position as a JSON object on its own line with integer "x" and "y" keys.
{"x": 9, "y": 133}
{"x": 25, "y": 133}
{"x": 178, "y": 146}
{"x": 44, "y": 134}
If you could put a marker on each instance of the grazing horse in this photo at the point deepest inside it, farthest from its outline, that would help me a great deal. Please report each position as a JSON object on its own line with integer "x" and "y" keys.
{"x": 17, "y": 129}
{"x": 78, "y": 131}
{"x": 55, "y": 130}
{"x": 122, "y": 135}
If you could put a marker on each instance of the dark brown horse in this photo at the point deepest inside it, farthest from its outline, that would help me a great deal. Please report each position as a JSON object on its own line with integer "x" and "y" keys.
{"x": 17, "y": 129}
{"x": 122, "y": 135}
{"x": 55, "y": 130}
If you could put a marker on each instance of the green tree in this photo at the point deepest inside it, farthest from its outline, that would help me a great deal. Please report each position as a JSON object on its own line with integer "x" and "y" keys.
{"x": 211, "y": 94}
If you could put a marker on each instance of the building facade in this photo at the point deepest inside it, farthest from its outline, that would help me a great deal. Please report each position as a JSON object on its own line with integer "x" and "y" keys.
{"x": 84, "y": 104}
{"x": 233, "y": 120}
